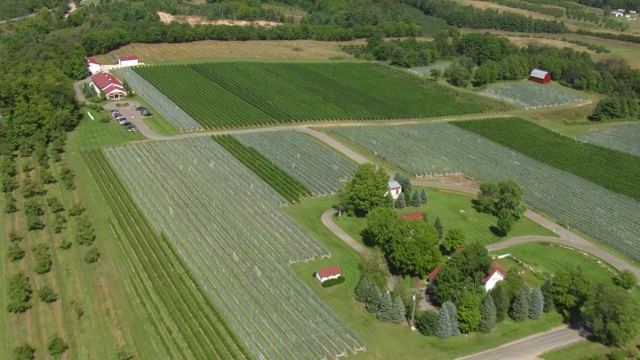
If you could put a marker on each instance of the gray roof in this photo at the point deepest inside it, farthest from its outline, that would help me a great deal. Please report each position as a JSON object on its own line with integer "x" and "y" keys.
{"x": 394, "y": 184}
{"x": 537, "y": 73}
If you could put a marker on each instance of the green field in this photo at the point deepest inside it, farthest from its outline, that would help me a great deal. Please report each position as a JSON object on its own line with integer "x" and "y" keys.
{"x": 455, "y": 211}
{"x": 268, "y": 171}
{"x": 173, "y": 298}
{"x": 384, "y": 340}
{"x": 236, "y": 94}
{"x": 608, "y": 168}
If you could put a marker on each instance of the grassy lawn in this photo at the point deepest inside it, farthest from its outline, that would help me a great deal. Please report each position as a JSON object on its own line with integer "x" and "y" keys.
{"x": 551, "y": 258}
{"x": 156, "y": 122}
{"x": 159, "y": 125}
{"x": 388, "y": 341}
{"x": 455, "y": 211}
{"x": 581, "y": 350}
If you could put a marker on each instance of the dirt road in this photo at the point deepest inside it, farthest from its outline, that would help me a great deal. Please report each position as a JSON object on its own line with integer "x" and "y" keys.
{"x": 530, "y": 346}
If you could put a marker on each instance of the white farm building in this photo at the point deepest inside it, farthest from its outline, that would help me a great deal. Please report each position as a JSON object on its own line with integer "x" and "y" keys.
{"x": 394, "y": 189}
{"x": 131, "y": 60}
{"x": 329, "y": 273}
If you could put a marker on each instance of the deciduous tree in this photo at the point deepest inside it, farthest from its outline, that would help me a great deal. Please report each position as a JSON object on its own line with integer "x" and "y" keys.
{"x": 24, "y": 352}
{"x": 56, "y": 345}
{"x": 415, "y": 251}
{"x": 374, "y": 267}
{"x": 626, "y": 279}
{"x": 469, "y": 312}
{"x": 367, "y": 190}
{"x": 613, "y": 314}
{"x": 569, "y": 291}
{"x": 453, "y": 240}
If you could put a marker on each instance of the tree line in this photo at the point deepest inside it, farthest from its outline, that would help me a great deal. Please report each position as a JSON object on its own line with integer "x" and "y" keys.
{"x": 480, "y": 59}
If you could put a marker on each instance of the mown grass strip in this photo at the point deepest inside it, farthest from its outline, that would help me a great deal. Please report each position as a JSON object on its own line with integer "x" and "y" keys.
{"x": 610, "y": 169}
{"x": 189, "y": 306}
{"x": 268, "y": 171}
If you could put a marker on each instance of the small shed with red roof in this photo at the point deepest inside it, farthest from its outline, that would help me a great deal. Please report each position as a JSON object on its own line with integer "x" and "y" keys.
{"x": 108, "y": 86}
{"x": 328, "y": 273}
{"x": 414, "y": 216}
{"x": 130, "y": 60}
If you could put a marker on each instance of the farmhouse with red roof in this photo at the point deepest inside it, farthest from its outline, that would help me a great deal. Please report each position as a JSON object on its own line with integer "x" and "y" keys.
{"x": 108, "y": 86}
{"x": 130, "y": 60}
{"x": 328, "y": 273}
{"x": 93, "y": 65}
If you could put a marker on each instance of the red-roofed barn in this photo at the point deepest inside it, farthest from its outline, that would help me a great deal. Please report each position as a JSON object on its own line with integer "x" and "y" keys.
{"x": 130, "y": 60}
{"x": 108, "y": 86}
{"x": 540, "y": 76}
{"x": 328, "y": 273}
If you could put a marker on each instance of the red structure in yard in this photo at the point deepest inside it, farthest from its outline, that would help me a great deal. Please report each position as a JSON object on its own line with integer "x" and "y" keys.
{"x": 540, "y": 76}
{"x": 414, "y": 216}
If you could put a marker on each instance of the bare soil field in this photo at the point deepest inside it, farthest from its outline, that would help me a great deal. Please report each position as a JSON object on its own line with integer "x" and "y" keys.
{"x": 525, "y": 41}
{"x": 253, "y": 49}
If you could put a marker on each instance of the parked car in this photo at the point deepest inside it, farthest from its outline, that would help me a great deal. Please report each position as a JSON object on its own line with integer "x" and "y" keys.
{"x": 123, "y": 122}
{"x": 146, "y": 112}
{"x": 140, "y": 108}
{"x": 115, "y": 115}
{"x": 132, "y": 128}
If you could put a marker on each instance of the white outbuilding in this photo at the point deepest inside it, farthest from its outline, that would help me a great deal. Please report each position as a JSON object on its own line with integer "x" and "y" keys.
{"x": 395, "y": 189}
{"x": 131, "y": 60}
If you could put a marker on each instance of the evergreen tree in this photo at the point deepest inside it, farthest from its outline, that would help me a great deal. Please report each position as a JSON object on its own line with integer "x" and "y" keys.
{"x": 427, "y": 322}
{"x": 398, "y": 311}
{"x": 373, "y": 299}
{"x": 415, "y": 199}
{"x": 546, "y": 294}
{"x": 444, "y": 323}
{"x": 424, "y": 196}
{"x": 362, "y": 289}
{"x": 520, "y": 305}
{"x": 385, "y": 307}
{"x": 453, "y": 315}
{"x": 500, "y": 297}
{"x": 488, "y": 314}
{"x": 400, "y": 202}
{"x": 536, "y": 304}
{"x": 439, "y": 229}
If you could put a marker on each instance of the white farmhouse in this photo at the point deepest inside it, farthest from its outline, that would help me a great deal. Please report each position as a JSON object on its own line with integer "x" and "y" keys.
{"x": 93, "y": 65}
{"x": 131, "y": 60}
{"x": 328, "y": 273}
{"x": 496, "y": 274}
{"x": 394, "y": 189}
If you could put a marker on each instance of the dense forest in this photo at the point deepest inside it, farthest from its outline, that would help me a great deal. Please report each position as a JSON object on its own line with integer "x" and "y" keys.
{"x": 481, "y": 59}
{"x": 10, "y": 9}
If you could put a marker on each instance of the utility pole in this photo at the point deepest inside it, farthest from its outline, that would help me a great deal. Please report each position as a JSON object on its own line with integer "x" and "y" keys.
{"x": 413, "y": 312}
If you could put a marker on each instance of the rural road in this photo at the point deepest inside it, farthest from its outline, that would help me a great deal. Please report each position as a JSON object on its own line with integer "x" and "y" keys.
{"x": 530, "y": 346}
